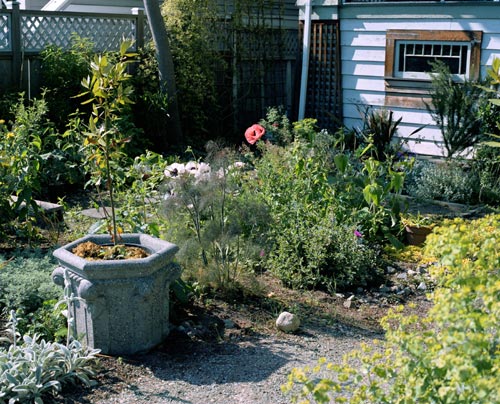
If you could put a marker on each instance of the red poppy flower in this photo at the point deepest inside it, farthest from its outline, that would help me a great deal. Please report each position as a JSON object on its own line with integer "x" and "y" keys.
{"x": 254, "y": 133}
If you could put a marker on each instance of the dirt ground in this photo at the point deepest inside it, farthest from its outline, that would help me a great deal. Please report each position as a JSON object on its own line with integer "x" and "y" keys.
{"x": 229, "y": 350}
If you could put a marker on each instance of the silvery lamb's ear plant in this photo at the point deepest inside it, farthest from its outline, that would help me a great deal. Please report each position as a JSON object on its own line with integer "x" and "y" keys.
{"x": 109, "y": 94}
{"x": 68, "y": 300}
{"x": 33, "y": 369}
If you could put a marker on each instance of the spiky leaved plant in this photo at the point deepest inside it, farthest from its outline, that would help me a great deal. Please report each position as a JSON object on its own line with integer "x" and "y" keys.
{"x": 455, "y": 109}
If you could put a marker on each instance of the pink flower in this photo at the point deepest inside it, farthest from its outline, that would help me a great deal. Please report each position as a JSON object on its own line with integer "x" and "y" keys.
{"x": 254, "y": 133}
{"x": 357, "y": 234}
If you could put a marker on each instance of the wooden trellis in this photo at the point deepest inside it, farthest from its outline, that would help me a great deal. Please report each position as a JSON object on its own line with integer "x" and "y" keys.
{"x": 324, "y": 100}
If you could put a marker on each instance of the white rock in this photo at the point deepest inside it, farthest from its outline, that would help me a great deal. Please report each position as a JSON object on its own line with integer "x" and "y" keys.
{"x": 348, "y": 302}
{"x": 287, "y": 322}
{"x": 422, "y": 286}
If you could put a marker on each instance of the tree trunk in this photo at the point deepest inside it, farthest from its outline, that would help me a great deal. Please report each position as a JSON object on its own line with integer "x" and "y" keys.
{"x": 165, "y": 64}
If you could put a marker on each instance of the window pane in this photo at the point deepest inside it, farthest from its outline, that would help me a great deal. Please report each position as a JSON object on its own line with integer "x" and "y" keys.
{"x": 455, "y": 50}
{"x": 418, "y": 49}
{"x": 401, "y": 66}
{"x": 418, "y": 64}
{"x": 453, "y": 64}
{"x": 446, "y": 50}
{"x": 463, "y": 60}
{"x": 428, "y": 50}
{"x": 438, "y": 49}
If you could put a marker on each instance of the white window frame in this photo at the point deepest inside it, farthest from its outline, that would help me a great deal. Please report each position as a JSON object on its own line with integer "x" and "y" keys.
{"x": 429, "y": 49}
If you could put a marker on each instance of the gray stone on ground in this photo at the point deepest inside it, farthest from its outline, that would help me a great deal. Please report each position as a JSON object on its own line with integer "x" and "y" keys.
{"x": 287, "y": 322}
{"x": 96, "y": 213}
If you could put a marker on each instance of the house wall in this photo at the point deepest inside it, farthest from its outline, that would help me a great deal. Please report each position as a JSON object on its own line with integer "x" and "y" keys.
{"x": 363, "y": 39}
{"x": 86, "y": 6}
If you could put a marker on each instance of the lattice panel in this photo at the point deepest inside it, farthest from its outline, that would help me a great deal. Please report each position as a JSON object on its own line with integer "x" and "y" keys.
{"x": 270, "y": 44}
{"x": 290, "y": 44}
{"x": 106, "y": 33}
{"x": 5, "y": 44}
{"x": 323, "y": 83}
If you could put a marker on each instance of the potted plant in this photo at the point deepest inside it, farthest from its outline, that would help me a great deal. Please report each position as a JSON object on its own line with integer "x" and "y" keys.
{"x": 417, "y": 228}
{"x": 122, "y": 300}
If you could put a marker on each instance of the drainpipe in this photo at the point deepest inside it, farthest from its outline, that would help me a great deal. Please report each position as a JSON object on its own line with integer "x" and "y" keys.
{"x": 56, "y": 5}
{"x": 306, "y": 46}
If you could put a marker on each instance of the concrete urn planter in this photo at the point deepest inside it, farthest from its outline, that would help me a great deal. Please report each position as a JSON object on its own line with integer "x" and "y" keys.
{"x": 124, "y": 304}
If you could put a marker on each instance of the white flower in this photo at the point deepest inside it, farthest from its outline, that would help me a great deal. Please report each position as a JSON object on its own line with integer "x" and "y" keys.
{"x": 203, "y": 172}
{"x": 191, "y": 166}
{"x": 174, "y": 170}
{"x": 237, "y": 164}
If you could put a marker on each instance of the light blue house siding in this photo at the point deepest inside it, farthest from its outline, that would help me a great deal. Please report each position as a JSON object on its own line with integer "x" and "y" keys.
{"x": 363, "y": 29}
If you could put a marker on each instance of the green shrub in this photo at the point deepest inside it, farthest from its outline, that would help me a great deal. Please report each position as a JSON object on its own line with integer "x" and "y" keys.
{"x": 61, "y": 74}
{"x": 20, "y": 149}
{"x": 315, "y": 252}
{"x": 449, "y": 356}
{"x": 313, "y": 244}
{"x": 47, "y": 321}
{"x": 486, "y": 166}
{"x": 25, "y": 282}
{"x": 278, "y": 127}
{"x": 149, "y": 113}
{"x": 448, "y": 181}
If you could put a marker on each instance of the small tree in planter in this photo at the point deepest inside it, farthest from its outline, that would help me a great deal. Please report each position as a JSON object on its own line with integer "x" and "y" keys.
{"x": 109, "y": 94}
{"x": 123, "y": 304}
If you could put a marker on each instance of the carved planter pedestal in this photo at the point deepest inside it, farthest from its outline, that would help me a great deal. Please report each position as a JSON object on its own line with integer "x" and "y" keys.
{"x": 124, "y": 306}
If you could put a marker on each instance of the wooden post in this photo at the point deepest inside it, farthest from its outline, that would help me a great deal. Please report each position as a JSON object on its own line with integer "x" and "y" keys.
{"x": 139, "y": 27}
{"x": 17, "y": 48}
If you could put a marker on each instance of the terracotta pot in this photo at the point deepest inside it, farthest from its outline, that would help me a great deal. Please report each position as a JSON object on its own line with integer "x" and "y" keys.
{"x": 417, "y": 235}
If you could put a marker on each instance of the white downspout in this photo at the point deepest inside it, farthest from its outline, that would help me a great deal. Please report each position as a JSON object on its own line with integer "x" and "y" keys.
{"x": 56, "y": 5}
{"x": 306, "y": 46}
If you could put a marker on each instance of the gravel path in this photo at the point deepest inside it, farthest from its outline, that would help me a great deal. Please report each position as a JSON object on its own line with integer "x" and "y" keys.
{"x": 250, "y": 369}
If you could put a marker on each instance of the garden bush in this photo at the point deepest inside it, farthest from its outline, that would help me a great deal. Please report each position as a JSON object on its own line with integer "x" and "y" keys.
{"x": 313, "y": 244}
{"x": 20, "y": 153}
{"x": 486, "y": 167}
{"x": 26, "y": 286}
{"x": 62, "y": 71}
{"x": 449, "y": 356}
{"x": 279, "y": 129}
{"x": 450, "y": 181}
{"x": 25, "y": 281}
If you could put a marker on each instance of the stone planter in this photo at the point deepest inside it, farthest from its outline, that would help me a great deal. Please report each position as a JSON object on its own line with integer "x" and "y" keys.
{"x": 124, "y": 306}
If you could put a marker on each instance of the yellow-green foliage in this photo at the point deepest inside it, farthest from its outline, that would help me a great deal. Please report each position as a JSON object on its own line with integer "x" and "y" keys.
{"x": 451, "y": 356}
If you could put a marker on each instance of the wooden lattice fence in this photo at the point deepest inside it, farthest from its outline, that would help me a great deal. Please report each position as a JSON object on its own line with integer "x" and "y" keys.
{"x": 259, "y": 73}
{"x": 25, "y": 33}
